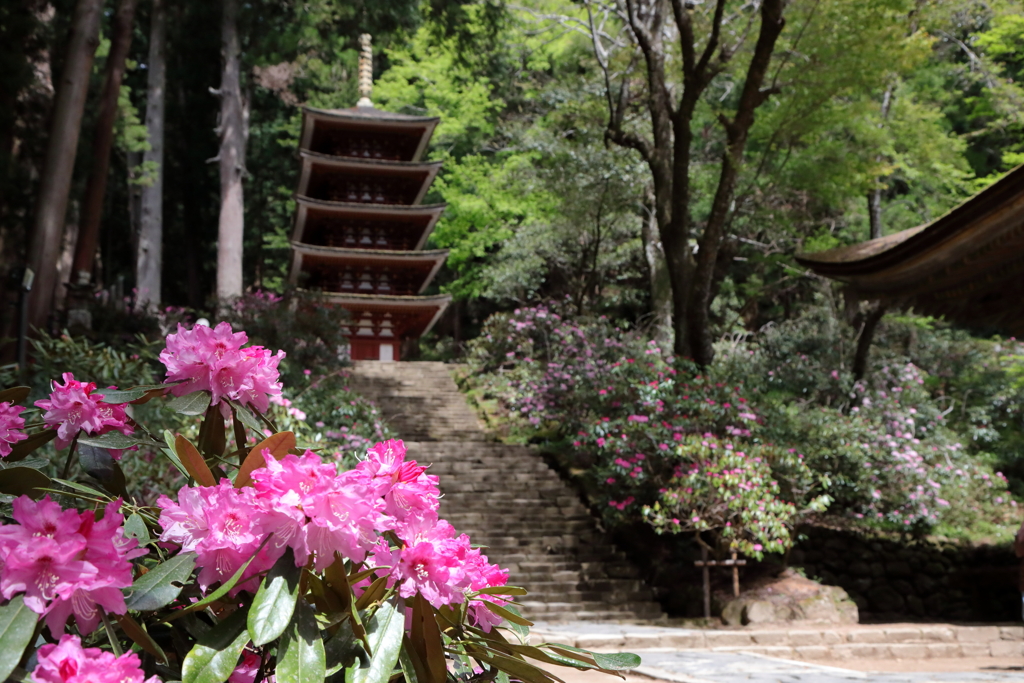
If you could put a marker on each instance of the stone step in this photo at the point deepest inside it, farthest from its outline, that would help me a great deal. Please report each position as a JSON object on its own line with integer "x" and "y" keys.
{"x": 902, "y": 641}
{"x": 507, "y": 499}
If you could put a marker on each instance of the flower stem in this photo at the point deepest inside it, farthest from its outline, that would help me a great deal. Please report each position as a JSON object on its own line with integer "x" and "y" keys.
{"x": 114, "y": 645}
{"x": 71, "y": 455}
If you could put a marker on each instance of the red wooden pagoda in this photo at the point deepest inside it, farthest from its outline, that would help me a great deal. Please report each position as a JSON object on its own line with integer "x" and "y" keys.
{"x": 360, "y": 225}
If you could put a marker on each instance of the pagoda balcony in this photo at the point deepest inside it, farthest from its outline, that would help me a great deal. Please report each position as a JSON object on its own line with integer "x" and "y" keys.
{"x": 363, "y": 181}
{"x": 357, "y": 226}
{"x": 364, "y": 271}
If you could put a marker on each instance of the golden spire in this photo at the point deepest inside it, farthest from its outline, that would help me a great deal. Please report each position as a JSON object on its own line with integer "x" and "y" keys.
{"x": 365, "y": 71}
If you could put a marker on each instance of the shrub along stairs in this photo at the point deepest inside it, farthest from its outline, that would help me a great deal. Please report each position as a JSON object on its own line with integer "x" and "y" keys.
{"x": 507, "y": 498}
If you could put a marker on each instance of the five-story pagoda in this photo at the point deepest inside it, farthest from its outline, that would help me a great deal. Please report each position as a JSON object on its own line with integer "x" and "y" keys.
{"x": 360, "y": 226}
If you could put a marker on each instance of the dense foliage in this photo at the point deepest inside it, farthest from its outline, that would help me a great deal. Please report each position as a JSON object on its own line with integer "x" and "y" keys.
{"x": 290, "y": 569}
{"x": 769, "y": 436}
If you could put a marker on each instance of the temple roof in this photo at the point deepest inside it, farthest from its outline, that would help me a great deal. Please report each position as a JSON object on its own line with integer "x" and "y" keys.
{"x": 319, "y": 125}
{"x": 967, "y": 265}
{"x": 422, "y": 311}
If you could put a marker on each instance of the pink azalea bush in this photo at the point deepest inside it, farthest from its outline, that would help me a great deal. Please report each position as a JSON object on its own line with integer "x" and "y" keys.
{"x": 11, "y": 426}
{"x": 280, "y": 560}
{"x": 212, "y": 359}
{"x": 69, "y": 662}
{"x": 66, "y": 563}
{"x": 72, "y": 407}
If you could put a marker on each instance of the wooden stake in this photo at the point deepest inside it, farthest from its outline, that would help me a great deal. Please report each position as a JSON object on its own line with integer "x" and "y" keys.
{"x": 735, "y": 577}
{"x": 707, "y": 581}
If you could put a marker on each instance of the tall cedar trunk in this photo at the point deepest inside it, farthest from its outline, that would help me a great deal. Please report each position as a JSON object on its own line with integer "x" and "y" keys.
{"x": 661, "y": 287}
{"x": 55, "y": 185}
{"x": 149, "y": 255}
{"x": 96, "y": 186}
{"x": 232, "y": 162}
{"x": 668, "y": 153}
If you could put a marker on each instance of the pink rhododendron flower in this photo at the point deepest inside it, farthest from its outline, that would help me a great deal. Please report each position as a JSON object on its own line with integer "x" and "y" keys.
{"x": 72, "y": 408}
{"x": 11, "y": 424}
{"x": 247, "y": 669}
{"x": 66, "y": 562}
{"x": 212, "y": 359}
{"x": 69, "y": 662}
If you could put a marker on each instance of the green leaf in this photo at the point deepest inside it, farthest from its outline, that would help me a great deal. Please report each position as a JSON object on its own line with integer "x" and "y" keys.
{"x": 140, "y": 636}
{"x": 500, "y": 590}
{"x": 171, "y": 453}
{"x": 508, "y": 613}
{"x": 99, "y": 464}
{"x": 516, "y": 668}
{"x": 616, "y": 661}
{"x": 157, "y": 588}
{"x": 274, "y": 604}
{"x": 23, "y": 481}
{"x": 135, "y": 527}
{"x": 246, "y": 417}
{"x": 114, "y": 439}
{"x": 22, "y": 449}
{"x": 117, "y": 396}
{"x": 344, "y": 649}
{"x": 195, "y": 403}
{"x": 215, "y": 655}
{"x": 17, "y": 625}
{"x": 301, "y": 657}
{"x": 222, "y": 590}
{"x": 82, "y": 488}
{"x": 14, "y": 395}
{"x": 384, "y": 632}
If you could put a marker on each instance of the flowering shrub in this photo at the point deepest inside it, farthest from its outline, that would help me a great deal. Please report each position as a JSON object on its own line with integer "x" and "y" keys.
{"x": 627, "y": 414}
{"x": 268, "y": 564}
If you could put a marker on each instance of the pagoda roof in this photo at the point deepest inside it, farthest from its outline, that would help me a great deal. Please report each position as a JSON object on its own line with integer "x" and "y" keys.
{"x": 967, "y": 265}
{"x": 367, "y": 121}
{"x": 427, "y": 214}
{"x": 425, "y": 310}
{"x": 417, "y": 175}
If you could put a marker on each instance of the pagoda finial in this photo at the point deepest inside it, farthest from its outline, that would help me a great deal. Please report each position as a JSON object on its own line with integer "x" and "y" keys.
{"x": 365, "y": 71}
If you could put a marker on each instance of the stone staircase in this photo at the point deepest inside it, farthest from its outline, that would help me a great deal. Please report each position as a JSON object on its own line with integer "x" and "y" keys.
{"x": 507, "y": 498}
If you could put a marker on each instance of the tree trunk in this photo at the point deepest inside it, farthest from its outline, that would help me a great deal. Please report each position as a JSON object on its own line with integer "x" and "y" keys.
{"x": 96, "y": 186}
{"x": 149, "y": 255}
{"x": 55, "y": 185}
{"x": 875, "y": 196}
{"x": 867, "y": 334}
{"x": 233, "y": 134}
{"x": 661, "y": 287}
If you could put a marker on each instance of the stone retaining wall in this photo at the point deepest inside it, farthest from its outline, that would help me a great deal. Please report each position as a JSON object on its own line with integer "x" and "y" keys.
{"x": 891, "y": 580}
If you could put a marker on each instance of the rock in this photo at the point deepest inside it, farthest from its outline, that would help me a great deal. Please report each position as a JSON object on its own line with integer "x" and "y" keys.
{"x": 885, "y": 598}
{"x": 791, "y": 597}
{"x": 759, "y": 612}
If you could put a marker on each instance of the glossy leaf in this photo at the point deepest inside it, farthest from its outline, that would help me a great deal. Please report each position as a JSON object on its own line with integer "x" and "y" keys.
{"x": 140, "y": 636}
{"x": 113, "y": 439}
{"x": 425, "y": 638}
{"x": 301, "y": 657}
{"x": 15, "y": 395}
{"x": 195, "y": 403}
{"x": 514, "y": 667}
{"x": 384, "y": 632}
{"x": 501, "y": 590}
{"x": 99, "y": 464}
{"x": 245, "y": 416}
{"x": 160, "y": 585}
{"x": 374, "y": 592}
{"x": 193, "y": 462}
{"x": 17, "y": 626}
{"x": 221, "y": 591}
{"x": 344, "y": 649}
{"x": 23, "y": 481}
{"x": 508, "y": 613}
{"x": 22, "y": 449}
{"x": 616, "y": 661}
{"x": 135, "y": 527}
{"x": 118, "y": 396}
{"x": 215, "y": 655}
{"x": 274, "y": 604}
{"x": 212, "y": 439}
{"x": 279, "y": 445}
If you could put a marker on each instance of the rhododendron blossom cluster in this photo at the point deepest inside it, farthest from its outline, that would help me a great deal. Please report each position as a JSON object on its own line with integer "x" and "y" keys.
{"x": 212, "y": 359}
{"x": 72, "y": 407}
{"x": 66, "y": 563}
{"x": 11, "y": 426}
{"x": 69, "y": 662}
{"x": 301, "y": 503}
